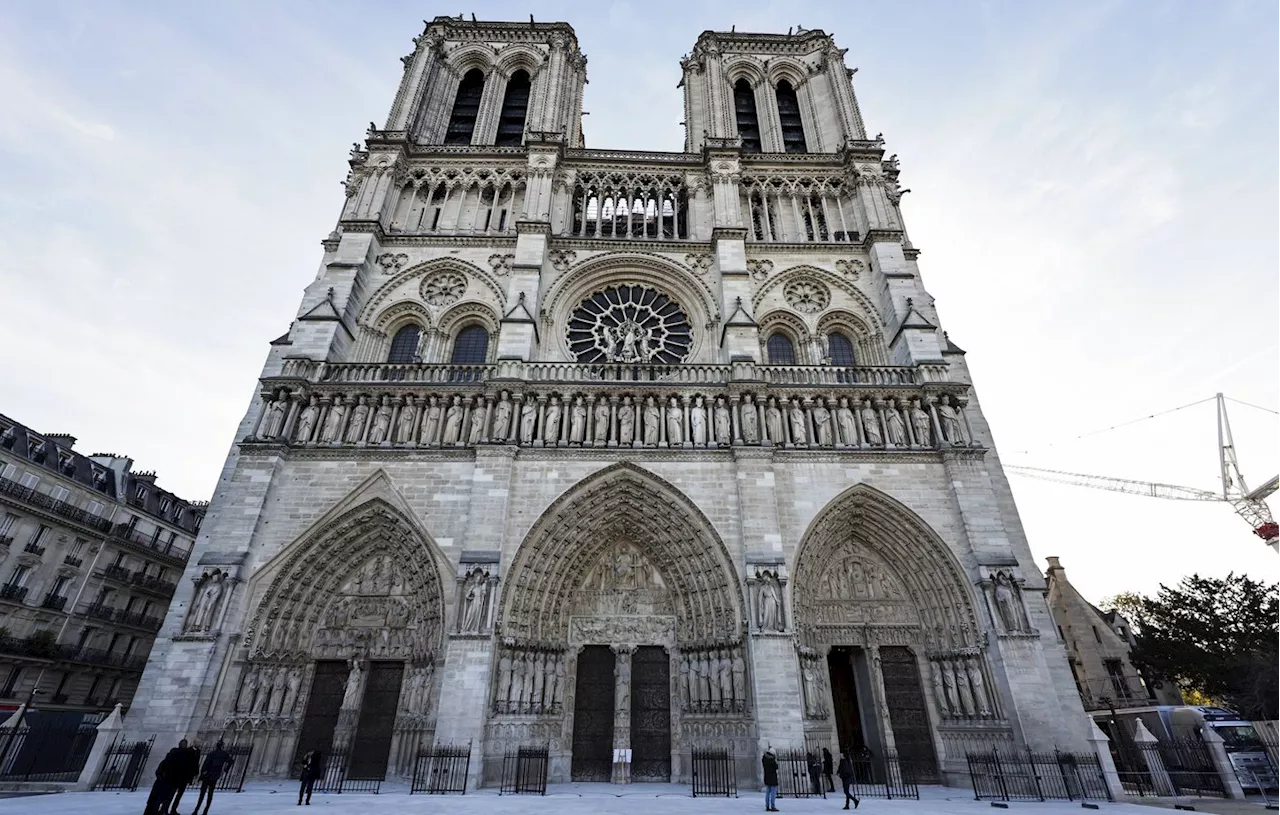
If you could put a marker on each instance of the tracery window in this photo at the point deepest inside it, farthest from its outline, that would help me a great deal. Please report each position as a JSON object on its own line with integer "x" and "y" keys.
{"x": 404, "y": 346}
{"x": 841, "y": 350}
{"x": 781, "y": 351}
{"x": 466, "y": 108}
{"x": 471, "y": 346}
{"x": 515, "y": 106}
{"x": 744, "y": 105}
{"x": 789, "y": 116}
{"x": 629, "y": 324}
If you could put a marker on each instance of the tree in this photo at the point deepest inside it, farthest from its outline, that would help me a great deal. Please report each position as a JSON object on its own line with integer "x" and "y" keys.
{"x": 1215, "y": 636}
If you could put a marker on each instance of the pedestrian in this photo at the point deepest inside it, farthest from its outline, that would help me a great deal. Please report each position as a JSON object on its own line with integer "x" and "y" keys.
{"x": 845, "y": 772}
{"x": 826, "y": 769}
{"x": 184, "y": 772}
{"x": 312, "y": 771}
{"x": 770, "y": 764}
{"x": 215, "y": 764}
{"x": 162, "y": 789}
{"x": 815, "y": 774}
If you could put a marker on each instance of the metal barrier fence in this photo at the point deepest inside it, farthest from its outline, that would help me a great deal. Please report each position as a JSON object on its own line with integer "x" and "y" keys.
{"x": 337, "y": 779}
{"x": 1256, "y": 767}
{"x": 524, "y": 771}
{"x": 884, "y": 776}
{"x": 1029, "y": 776}
{"x": 714, "y": 773}
{"x": 45, "y": 751}
{"x": 1190, "y": 767}
{"x": 441, "y": 769}
{"x": 232, "y": 778}
{"x": 122, "y": 769}
{"x": 800, "y": 774}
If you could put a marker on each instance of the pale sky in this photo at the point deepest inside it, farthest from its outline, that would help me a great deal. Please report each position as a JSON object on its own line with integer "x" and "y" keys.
{"x": 1093, "y": 188}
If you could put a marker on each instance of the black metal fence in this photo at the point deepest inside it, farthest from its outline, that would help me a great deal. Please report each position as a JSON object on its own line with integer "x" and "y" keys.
{"x": 1256, "y": 766}
{"x": 524, "y": 771}
{"x": 337, "y": 779}
{"x": 714, "y": 773}
{"x": 441, "y": 769}
{"x": 45, "y": 750}
{"x": 232, "y": 778}
{"x": 123, "y": 764}
{"x": 1030, "y": 776}
{"x": 885, "y": 775}
{"x": 800, "y": 774}
{"x": 1190, "y": 767}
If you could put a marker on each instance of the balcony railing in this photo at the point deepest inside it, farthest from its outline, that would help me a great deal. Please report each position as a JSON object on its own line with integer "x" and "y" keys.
{"x": 54, "y": 601}
{"x": 1118, "y": 691}
{"x": 135, "y": 540}
{"x": 100, "y": 611}
{"x": 5, "y": 540}
{"x": 155, "y": 585}
{"x": 33, "y": 549}
{"x": 60, "y": 508}
{"x": 114, "y": 572}
{"x": 138, "y": 619}
{"x": 43, "y": 649}
{"x": 72, "y": 560}
{"x": 11, "y": 592}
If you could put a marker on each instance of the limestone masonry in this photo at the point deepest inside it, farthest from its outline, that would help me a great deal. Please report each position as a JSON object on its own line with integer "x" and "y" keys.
{"x": 622, "y": 453}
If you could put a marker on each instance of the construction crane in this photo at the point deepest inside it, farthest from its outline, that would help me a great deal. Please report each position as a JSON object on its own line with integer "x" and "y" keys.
{"x": 1248, "y": 504}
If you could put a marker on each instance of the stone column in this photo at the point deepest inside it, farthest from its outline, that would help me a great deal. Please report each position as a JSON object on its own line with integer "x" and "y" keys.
{"x": 1222, "y": 763}
{"x": 1146, "y": 742}
{"x": 106, "y": 736}
{"x": 877, "y": 691}
{"x": 1101, "y": 747}
{"x": 622, "y": 712}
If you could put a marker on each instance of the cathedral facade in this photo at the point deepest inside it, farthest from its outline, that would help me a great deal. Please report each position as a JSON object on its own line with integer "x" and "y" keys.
{"x": 619, "y": 453}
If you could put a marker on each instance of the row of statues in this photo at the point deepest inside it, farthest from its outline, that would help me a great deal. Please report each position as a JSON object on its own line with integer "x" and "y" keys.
{"x": 531, "y": 680}
{"x": 713, "y": 680}
{"x": 960, "y": 688}
{"x": 616, "y": 421}
{"x": 269, "y": 690}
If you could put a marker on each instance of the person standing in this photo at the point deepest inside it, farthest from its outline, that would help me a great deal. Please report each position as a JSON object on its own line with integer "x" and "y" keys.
{"x": 162, "y": 789}
{"x": 312, "y": 771}
{"x": 845, "y": 771}
{"x": 770, "y": 764}
{"x": 215, "y": 764}
{"x": 185, "y": 771}
{"x": 815, "y": 774}
{"x": 826, "y": 769}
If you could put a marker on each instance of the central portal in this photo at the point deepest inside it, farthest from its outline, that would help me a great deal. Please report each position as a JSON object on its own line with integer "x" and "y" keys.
{"x": 651, "y": 714}
{"x": 593, "y": 715}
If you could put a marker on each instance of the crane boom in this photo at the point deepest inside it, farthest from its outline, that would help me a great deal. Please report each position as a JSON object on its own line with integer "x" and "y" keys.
{"x": 1150, "y": 489}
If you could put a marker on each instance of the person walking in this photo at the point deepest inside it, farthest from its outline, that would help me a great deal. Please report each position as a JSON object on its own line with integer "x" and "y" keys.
{"x": 826, "y": 769}
{"x": 185, "y": 771}
{"x": 845, "y": 771}
{"x": 815, "y": 774}
{"x": 770, "y": 764}
{"x": 312, "y": 771}
{"x": 162, "y": 790}
{"x": 215, "y": 764}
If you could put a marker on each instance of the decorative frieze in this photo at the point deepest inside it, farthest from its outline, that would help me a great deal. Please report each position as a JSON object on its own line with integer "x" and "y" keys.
{"x": 713, "y": 679}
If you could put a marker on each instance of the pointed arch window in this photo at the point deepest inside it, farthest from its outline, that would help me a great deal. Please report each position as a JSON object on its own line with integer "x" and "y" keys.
{"x": 471, "y": 346}
{"x": 781, "y": 351}
{"x": 789, "y": 117}
{"x": 515, "y": 107}
{"x": 744, "y": 107}
{"x": 841, "y": 350}
{"x": 404, "y": 346}
{"x": 466, "y": 108}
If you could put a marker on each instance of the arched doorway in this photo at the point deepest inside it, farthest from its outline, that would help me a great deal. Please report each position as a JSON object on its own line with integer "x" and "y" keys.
{"x": 886, "y": 617}
{"x": 341, "y": 650}
{"x": 622, "y": 624}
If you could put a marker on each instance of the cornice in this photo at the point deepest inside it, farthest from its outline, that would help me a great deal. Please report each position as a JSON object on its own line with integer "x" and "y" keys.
{"x": 401, "y": 240}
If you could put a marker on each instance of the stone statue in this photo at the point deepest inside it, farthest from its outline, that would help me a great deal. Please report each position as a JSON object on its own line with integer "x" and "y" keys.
{"x": 351, "y": 693}
{"x": 622, "y": 697}
{"x": 698, "y": 423}
{"x": 278, "y": 690}
{"x": 307, "y": 421}
{"x": 1008, "y": 604}
{"x": 381, "y": 423}
{"x": 578, "y": 422}
{"x": 799, "y": 433}
{"x": 293, "y": 684}
{"x": 944, "y": 704}
{"x": 949, "y": 687}
{"x": 683, "y": 683}
{"x": 652, "y": 422}
{"x": 626, "y": 421}
{"x": 724, "y": 433}
{"x": 539, "y": 667}
{"x": 966, "y": 695}
{"x": 247, "y": 689}
{"x": 276, "y": 416}
{"x": 600, "y": 434}
{"x": 473, "y": 608}
{"x": 551, "y": 427}
{"x": 979, "y": 689}
{"x": 896, "y": 429}
{"x": 750, "y": 421}
{"x": 920, "y": 424}
{"x": 264, "y": 692}
{"x": 821, "y": 423}
{"x": 431, "y": 422}
{"x": 739, "y": 680}
{"x": 477, "y": 422}
{"x": 810, "y": 676}
{"x": 558, "y": 696}
{"x": 675, "y": 423}
{"x": 502, "y": 418}
{"x": 773, "y": 422}
{"x": 704, "y": 689}
{"x": 208, "y": 596}
{"x": 404, "y": 425}
{"x": 870, "y": 423}
{"x": 453, "y": 422}
{"x": 504, "y": 680}
{"x": 516, "y": 698}
{"x": 844, "y": 418}
{"x": 359, "y": 416}
{"x": 711, "y": 672}
{"x": 768, "y": 605}
{"x": 726, "y": 678}
{"x": 951, "y": 424}
{"x": 528, "y": 419}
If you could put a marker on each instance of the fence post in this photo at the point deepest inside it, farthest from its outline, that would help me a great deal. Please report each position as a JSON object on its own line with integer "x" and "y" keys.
{"x": 1102, "y": 749}
{"x": 1222, "y": 763}
{"x": 1148, "y": 748}
{"x": 105, "y": 739}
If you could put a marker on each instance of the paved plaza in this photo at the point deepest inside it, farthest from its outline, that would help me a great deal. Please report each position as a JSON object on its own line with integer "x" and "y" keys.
{"x": 563, "y": 799}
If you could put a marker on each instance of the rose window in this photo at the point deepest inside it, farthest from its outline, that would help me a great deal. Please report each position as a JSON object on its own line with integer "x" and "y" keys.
{"x": 443, "y": 289}
{"x": 808, "y": 296}
{"x": 629, "y": 324}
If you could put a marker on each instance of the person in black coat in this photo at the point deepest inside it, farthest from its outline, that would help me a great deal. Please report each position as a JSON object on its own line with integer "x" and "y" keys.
{"x": 166, "y": 780}
{"x": 770, "y": 764}
{"x": 312, "y": 771}
{"x": 826, "y": 769}
{"x": 215, "y": 764}
{"x": 845, "y": 772}
{"x": 184, "y": 772}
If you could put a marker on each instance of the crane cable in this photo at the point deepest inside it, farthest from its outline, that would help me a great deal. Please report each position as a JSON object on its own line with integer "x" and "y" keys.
{"x": 1134, "y": 421}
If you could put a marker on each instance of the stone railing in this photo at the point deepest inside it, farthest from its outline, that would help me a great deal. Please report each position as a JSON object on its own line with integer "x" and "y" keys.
{"x": 544, "y": 405}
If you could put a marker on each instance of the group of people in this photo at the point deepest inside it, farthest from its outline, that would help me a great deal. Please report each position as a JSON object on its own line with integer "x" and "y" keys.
{"x": 178, "y": 769}
{"x": 818, "y": 770}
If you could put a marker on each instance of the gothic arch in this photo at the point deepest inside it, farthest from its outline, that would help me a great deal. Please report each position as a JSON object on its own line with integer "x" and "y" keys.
{"x": 868, "y": 342}
{"x": 622, "y": 503}
{"x": 473, "y": 55}
{"x": 788, "y": 68}
{"x": 515, "y": 56}
{"x": 790, "y": 324}
{"x": 387, "y": 292}
{"x": 925, "y": 595}
{"x": 744, "y": 67}
{"x": 828, "y": 278}
{"x": 398, "y": 315}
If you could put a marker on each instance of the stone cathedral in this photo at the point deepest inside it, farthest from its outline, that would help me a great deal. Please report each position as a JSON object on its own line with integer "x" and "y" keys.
{"x": 616, "y": 452}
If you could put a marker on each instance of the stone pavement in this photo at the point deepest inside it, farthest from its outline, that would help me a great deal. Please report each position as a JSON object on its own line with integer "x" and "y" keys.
{"x": 566, "y": 799}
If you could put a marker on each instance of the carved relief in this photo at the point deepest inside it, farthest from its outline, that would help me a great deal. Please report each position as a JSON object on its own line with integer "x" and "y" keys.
{"x": 807, "y": 295}
{"x": 530, "y": 679}
{"x": 1003, "y": 593}
{"x": 850, "y": 268}
{"x": 759, "y": 268}
{"x": 700, "y": 264}
{"x": 623, "y": 582}
{"x": 206, "y": 602}
{"x": 501, "y": 264}
{"x": 443, "y": 288}
{"x": 562, "y": 259}
{"x": 813, "y": 683}
{"x": 391, "y": 262}
{"x": 712, "y": 679}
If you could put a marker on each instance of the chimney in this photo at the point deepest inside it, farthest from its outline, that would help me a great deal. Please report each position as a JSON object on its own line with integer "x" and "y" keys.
{"x": 1055, "y": 570}
{"x": 148, "y": 476}
{"x": 64, "y": 440}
